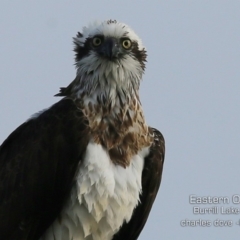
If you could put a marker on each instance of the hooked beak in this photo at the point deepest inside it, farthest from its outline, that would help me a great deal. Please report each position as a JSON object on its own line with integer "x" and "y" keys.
{"x": 110, "y": 48}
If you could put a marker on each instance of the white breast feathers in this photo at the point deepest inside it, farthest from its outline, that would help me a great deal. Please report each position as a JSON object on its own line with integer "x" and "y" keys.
{"x": 103, "y": 197}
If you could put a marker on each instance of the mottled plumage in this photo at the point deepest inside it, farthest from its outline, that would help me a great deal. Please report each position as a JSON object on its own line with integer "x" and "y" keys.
{"x": 89, "y": 167}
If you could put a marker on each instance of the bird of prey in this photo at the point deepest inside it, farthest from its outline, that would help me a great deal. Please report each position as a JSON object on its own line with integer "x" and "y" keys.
{"x": 88, "y": 167}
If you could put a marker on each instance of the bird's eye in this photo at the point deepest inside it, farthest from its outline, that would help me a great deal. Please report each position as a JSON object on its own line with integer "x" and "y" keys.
{"x": 97, "y": 41}
{"x": 126, "y": 43}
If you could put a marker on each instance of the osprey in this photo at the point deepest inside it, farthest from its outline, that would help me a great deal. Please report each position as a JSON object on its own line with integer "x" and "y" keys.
{"x": 89, "y": 167}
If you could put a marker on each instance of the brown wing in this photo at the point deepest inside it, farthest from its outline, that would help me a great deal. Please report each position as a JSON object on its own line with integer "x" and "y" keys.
{"x": 38, "y": 162}
{"x": 151, "y": 179}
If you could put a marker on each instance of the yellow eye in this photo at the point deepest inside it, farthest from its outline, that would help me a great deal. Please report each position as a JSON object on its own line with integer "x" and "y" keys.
{"x": 97, "y": 41}
{"x": 126, "y": 43}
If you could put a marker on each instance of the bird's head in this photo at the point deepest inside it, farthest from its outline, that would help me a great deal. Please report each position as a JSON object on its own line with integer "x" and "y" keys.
{"x": 109, "y": 53}
{"x": 110, "y": 41}
{"x": 110, "y": 61}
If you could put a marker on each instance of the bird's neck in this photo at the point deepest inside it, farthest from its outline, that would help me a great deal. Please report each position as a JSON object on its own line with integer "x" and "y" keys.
{"x": 107, "y": 93}
{"x": 116, "y": 121}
